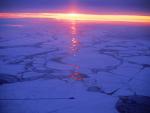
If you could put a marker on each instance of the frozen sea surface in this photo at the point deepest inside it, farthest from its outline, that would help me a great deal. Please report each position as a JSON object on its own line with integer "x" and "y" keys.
{"x": 70, "y": 67}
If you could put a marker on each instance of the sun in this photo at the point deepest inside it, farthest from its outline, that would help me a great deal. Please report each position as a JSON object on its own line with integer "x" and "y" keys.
{"x": 73, "y": 16}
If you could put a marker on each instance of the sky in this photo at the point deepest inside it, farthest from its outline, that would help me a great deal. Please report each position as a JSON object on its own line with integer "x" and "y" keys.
{"x": 96, "y": 6}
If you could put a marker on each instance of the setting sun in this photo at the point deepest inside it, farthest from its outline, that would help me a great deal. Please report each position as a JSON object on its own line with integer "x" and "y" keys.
{"x": 73, "y": 16}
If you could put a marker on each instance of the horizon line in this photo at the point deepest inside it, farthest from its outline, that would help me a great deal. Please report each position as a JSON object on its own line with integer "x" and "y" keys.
{"x": 82, "y": 17}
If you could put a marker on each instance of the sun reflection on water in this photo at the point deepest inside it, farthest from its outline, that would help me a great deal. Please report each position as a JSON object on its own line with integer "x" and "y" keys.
{"x": 75, "y": 43}
{"x": 74, "y": 40}
{"x": 76, "y": 76}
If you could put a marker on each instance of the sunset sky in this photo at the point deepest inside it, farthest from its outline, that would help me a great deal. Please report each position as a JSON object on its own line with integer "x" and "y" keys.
{"x": 133, "y": 11}
{"x": 94, "y": 6}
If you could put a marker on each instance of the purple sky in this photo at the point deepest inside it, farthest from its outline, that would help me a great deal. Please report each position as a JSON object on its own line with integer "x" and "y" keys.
{"x": 82, "y": 5}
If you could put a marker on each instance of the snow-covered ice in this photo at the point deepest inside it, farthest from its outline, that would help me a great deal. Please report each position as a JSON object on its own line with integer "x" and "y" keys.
{"x": 51, "y": 66}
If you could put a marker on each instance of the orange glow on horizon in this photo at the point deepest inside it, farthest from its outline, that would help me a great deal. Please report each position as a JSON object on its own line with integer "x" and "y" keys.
{"x": 82, "y": 17}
